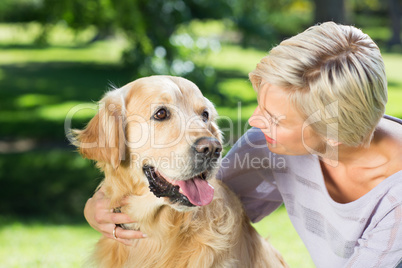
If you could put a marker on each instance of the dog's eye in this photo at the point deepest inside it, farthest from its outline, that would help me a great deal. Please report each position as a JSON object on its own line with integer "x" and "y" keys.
{"x": 161, "y": 114}
{"x": 205, "y": 116}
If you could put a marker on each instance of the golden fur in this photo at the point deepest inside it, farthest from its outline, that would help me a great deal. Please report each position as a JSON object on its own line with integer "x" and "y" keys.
{"x": 122, "y": 138}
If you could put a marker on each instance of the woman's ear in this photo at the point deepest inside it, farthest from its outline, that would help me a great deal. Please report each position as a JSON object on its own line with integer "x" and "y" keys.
{"x": 333, "y": 143}
{"x": 103, "y": 139}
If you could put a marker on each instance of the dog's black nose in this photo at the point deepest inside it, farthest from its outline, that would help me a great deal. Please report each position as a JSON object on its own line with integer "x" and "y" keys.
{"x": 208, "y": 147}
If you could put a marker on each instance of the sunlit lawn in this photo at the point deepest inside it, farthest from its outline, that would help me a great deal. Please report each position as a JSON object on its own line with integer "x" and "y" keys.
{"x": 54, "y": 73}
{"x": 39, "y": 245}
{"x": 42, "y": 245}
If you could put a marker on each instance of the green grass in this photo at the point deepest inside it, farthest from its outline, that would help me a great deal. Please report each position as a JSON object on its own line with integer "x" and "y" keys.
{"x": 99, "y": 52}
{"x": 39, "y": 245}
{"x": 42, "y": 245}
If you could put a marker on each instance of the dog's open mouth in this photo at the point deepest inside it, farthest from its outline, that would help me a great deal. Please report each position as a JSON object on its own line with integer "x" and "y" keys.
{"x": 195, "y": 191}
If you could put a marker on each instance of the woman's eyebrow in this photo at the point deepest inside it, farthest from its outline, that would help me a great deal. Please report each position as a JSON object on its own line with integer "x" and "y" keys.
{"x": 271, "y": 115}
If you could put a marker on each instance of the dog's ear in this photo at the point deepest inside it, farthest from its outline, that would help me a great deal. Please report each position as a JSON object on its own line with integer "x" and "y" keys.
{"x": 103, "y": 139}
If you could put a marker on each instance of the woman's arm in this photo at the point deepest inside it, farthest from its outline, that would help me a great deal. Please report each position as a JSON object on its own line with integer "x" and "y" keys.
{"x": 380, "y": 246}
{"x": 247, "y": 170}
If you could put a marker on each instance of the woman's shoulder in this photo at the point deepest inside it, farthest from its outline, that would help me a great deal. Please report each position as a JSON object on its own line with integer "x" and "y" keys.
{"x": 389, "y": 194}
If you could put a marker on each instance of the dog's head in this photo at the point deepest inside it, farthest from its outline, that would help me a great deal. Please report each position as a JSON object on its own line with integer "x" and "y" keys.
{"x": 159, "y": 131}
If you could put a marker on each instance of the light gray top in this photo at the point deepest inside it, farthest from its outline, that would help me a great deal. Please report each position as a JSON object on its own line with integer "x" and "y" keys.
{"x": 363, "y": 233}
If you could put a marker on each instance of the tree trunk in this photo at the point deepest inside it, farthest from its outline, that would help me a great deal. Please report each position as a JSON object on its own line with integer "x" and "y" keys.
{"x": 395, "y": 14}
{"x": 330, "y": 10}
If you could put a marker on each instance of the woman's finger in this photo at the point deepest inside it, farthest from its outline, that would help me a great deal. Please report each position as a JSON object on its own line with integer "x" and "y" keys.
{"x": 124, "y": 236}
{"x": 128, "y": 234}
{"x": 118, "y": 218}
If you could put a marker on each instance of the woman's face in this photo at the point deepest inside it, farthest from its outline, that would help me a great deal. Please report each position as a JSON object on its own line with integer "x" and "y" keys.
{"x": 282, "y": 124}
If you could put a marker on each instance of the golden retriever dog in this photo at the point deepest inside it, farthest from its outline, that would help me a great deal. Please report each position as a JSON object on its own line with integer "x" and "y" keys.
{"x": 158, "y": 144}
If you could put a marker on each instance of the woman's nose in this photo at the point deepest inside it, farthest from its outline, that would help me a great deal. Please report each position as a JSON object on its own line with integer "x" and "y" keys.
{"x": 258, "y": 120}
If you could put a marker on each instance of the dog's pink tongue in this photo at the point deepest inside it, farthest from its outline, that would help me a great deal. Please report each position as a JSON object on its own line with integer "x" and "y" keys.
{"x": 198, "y": 191}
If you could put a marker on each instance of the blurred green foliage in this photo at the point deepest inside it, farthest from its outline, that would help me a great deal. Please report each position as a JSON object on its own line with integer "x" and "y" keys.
{"x": 150, "y": 28}
{"x": 48, "y": 183}
{"x": 20, "y": 10}
{"x": 159, "y": 33}
{"x": 58, "y": 54}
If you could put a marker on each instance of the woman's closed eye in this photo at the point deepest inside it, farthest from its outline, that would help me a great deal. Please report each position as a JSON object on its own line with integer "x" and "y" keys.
{"x": 272, "y": 120}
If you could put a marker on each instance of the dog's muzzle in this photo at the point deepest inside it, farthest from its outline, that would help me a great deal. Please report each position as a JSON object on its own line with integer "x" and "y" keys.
{"x": 207, "y": 152}
{"x": 193, "y": 190}
{"x": 162, "y": 188}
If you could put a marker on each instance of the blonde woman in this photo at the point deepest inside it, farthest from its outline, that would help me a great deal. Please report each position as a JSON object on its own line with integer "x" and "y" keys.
{"x": 335, "y": 159}
{"x": 320, "y": 144}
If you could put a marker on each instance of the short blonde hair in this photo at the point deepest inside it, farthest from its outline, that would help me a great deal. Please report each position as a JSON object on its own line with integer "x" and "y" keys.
{"x": 334, "y": 73}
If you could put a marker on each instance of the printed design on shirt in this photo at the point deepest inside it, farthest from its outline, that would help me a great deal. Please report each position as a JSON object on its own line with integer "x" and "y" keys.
{"x": 308, "y": 183}
{"x": 289, "y": 201}
{"x": 316, "y": 223}
{"x": 397, "y": 214}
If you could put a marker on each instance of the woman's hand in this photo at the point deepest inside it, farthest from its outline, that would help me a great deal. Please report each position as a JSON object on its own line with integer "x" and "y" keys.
{"x": 98, "y": 214}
